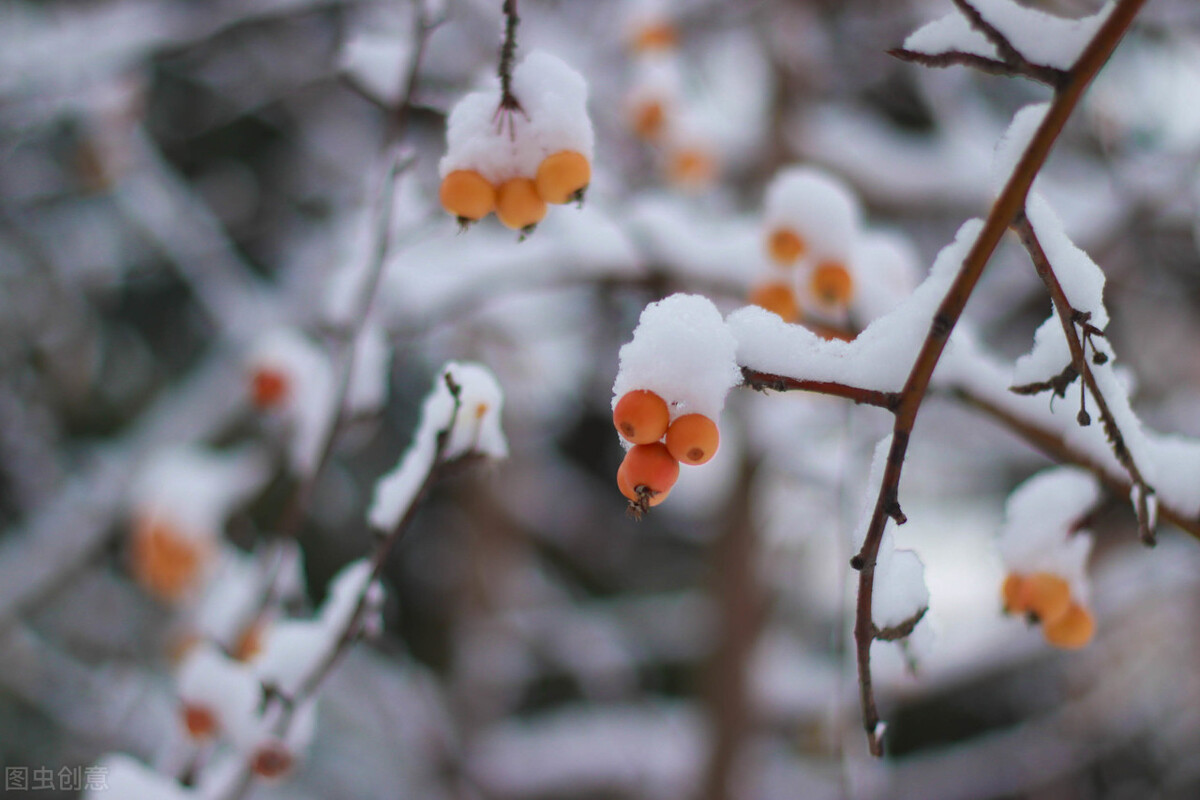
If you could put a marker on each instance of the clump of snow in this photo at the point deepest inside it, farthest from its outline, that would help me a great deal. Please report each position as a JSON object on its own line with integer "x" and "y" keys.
{"x": 1015, "y": 141}
{"x": 367, "y": 391}
{"x": 818, "y": 206}
{"x": 227, "y": 689}
{"x": 193, "y": 489}
{"x": 309, "y": 397}
{"x": 1039, "y": 519}
{"x": 1049, "y": 356}
{"x": 553, "y": 117}
{"x": 469, "y": 423}
{"x": 1041, "y": 38}
{"x": 682, "y": 351}
{"x": 900, "y": 591}
{"x": 885, "y": 270}
{"x": 879, "y": 358}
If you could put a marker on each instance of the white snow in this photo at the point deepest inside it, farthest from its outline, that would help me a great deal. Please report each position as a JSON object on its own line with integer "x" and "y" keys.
{"x": 900, "y": 590}
{"x": 193, "y": 489}
{"x": 308, "y": 402}
{"x": 682, "y": 351}
{"x": 368, "y": 387}
{"x": 880, "y": 358}
{"x": 884, "y": 263}
{"x": 1037, "y": 535}
{"x": 1013, "y": 144}
{"x": 553, "y": 100}
{"x": 472, "y": 425}
{"x": 228, "y": 689}
{"x": 1049, "y": 356}
{"x": 818, "y": 206}
{"x": 1041, "y": 38}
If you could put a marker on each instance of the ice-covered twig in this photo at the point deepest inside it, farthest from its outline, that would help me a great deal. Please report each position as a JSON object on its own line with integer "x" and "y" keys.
{"x": 1004, "y": 211}
{"x": 1070, "y": 318}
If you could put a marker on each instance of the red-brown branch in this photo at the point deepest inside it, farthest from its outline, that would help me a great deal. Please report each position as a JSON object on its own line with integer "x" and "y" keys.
{"x": 1004, "y": 211}
{"x": 761, "y": 381}
{"x": 1067, "y": 316}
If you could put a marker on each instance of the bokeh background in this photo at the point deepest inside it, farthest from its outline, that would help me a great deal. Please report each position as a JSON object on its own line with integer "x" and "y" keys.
{"x": 178, "y": 177}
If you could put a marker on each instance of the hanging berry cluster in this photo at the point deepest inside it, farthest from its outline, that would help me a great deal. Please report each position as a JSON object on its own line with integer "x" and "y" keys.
{"x": 517, "y": 147}
{"x": 657, "y": 108}
{"x": 668, "y": 394}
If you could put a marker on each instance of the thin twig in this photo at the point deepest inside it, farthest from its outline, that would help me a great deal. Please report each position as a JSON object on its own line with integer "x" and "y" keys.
{"x": 762, "y": 381}
{"x": 1055, "y": 446}
{"x": 1010, "y": 54}
{"x": 1008, "y": 204}
{"x": 1069, "y": 317}
{"x": 1048, "y": 75}
{"x": 508, "y": 51}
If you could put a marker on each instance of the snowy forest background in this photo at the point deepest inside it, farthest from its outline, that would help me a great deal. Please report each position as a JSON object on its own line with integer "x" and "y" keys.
{"x": 179, "y": 180}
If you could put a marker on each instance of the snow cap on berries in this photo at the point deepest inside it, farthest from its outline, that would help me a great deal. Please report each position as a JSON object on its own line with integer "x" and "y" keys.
{"x": 683, "y": 352}
{"x": 818, "y": 206}
{"x": 506, "y": 143}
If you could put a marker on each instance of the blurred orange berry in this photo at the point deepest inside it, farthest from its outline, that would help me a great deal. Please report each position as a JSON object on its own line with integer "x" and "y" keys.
{"x": 691, "y": 167}
{"x": 1047, "y": 596}
{"x": 563, "y": 177}
{"x": 693, "y": 439}
{"x": 518, "y": 204}
{"x": 832, "y": 284}
{"x": 200, "y": 722}
{"x": 1071, "y": 631}
{"x": 648, "y": 119}
{"x": 641, "y": 417}
{"x": 658, "y": 35}
{"x": 272, "y": 760}
{"x": 165, "y": 562}
{"x": 1013, "y": 593}
{"x": 778, "y": 298}
{"x": 784, "y": 246}
{"x": 467, "y": 195}
{"x": 268, "y": 388}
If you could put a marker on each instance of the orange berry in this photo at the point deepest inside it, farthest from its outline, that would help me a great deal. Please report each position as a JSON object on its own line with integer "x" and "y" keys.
{"x": 1013, "y": 592}
{"x": 563, "y": 177}
{"x": 691, "y": 167}
{"x": 651, "y": 466}
{"x": 1072, "y": 630}
{"x": 518, "y": 204}
{"x": 641, "y": 417}
{"x": 467, "y": 195}
{"x": 778, "y": 298}
{"x": 164, "y": 562}
{"x": 693, "y": 439}
{"x": 648, "y": 119}
{"x": 268, "y": 387}
{"x": 832, "y": 284}
{"x": 784, "y": 246}
{"x": 653, "y": 36}
{"x": 1047, "y": 596}
{"x": 200, "y": 722}
{"x": 250, "y": 643}
{"x": 272, "y": 760}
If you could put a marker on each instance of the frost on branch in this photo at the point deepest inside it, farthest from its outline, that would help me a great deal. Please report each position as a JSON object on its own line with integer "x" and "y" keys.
{"x": 1041, "y": 39}
{"x": 460, "y": 416}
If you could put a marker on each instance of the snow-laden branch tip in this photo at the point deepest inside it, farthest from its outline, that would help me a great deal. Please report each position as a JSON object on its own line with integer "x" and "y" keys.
{"x": 460, "y": 417}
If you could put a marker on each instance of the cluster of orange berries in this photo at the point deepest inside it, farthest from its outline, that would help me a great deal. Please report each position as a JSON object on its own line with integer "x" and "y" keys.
{"x": 519, "y": 202}
{"x": 829, "y": 280}
{"x": 651, "y": 465}
{"x": 656, "y": 111}
{"x": 1046, "y": 598}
